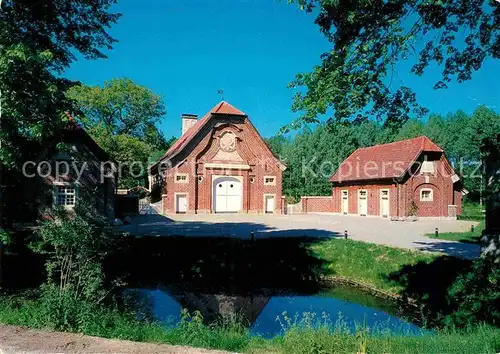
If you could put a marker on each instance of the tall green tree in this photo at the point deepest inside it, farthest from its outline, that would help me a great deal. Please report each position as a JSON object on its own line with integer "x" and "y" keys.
{"x": 38, "y": 40}
{"x": 122, "y": 106}
{"x": 122, "y": 117}
{"x": 358, "y": 78}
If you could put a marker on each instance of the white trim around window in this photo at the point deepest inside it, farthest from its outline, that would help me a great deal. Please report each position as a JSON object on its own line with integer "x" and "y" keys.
{"x": 426, "y": 195}
{"x": 181, "y": 178}
{"x": 65, "y": 194}
{"x": 269, "y": 180}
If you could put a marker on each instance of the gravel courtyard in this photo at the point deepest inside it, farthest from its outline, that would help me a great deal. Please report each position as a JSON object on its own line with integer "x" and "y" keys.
{"x": 381, "y": 231}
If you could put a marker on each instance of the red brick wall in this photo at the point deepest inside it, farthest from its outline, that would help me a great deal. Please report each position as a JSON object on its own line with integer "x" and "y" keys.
{"x": 440, "y": 183}
{"x": 373, "y": 193}
{"x": 402, "y": 195}
{"x": 458, "y": 201}
{"x": 317, "y": 204}
{"x": 203, "y": 148}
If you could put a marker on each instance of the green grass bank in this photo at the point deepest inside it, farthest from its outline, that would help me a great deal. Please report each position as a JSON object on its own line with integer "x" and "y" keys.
{"x": 234, "y": 337}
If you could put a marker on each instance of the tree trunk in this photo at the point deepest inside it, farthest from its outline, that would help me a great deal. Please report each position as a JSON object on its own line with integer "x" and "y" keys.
{"x": 491, "y": 234}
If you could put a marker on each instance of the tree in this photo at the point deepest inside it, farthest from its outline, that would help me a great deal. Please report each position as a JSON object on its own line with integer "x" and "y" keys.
{"x": 121, "y": 117}
{"x": 277, "y": 144}
{"x": 39, "y": 39}
{"x": 358, "y": 78}
{"x": 122, "y": 106}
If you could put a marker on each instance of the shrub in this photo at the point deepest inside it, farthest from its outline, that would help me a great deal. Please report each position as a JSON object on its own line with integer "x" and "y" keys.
{"x": 75, "y": 243}
{"x": 477, "y": 295}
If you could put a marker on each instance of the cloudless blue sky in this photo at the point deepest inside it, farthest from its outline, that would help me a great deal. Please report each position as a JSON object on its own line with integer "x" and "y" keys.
{"x": 187, "y": 50}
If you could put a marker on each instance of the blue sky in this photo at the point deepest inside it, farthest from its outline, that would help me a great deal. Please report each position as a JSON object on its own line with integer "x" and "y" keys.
{"x": 187, "y": 50}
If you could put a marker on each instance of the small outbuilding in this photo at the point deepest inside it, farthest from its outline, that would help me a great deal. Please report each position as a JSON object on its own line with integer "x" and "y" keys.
{"x": 410, "y": 177}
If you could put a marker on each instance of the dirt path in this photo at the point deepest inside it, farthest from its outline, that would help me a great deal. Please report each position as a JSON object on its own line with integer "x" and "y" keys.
{"x": 14, "y": 339}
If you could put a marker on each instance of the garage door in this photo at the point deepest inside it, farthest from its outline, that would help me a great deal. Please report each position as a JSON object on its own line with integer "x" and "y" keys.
{"x": 227, "y": 195}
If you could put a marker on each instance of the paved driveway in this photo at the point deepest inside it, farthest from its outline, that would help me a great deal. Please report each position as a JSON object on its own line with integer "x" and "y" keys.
{"x": 392, "y": 233}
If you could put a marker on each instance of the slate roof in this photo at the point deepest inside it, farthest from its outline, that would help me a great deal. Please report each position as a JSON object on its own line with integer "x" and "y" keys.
{"x": 383, "y": 161}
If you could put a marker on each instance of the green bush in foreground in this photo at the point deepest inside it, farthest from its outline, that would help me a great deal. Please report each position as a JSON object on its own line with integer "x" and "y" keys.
{"x": 477, "y": 294}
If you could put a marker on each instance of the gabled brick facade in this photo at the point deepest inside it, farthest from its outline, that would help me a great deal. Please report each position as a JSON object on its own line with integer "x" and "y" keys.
{"x": 405, "y": 178}
{"x": 221, "y": 150}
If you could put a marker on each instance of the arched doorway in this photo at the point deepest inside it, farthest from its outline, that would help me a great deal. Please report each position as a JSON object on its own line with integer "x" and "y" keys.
{"x": 227, "y": 192}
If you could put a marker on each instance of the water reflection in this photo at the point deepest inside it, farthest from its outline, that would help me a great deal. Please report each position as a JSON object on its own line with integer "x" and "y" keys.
{"x": 253, "y": 280}
{"x": 260, "y": 312}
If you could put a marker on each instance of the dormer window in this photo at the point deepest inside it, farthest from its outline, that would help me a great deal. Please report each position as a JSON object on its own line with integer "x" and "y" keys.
{"x": 427, "y": 166}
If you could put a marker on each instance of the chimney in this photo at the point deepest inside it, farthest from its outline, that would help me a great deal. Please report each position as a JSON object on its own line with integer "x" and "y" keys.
{"x": 188, "y": 120}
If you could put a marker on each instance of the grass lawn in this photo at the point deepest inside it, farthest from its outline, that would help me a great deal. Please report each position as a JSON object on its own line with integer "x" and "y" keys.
{"x": 367, "y": 263}
{"x": 234, "y": 337}
{"x": 472, "y": 211}
{"x": 468, "y": 237}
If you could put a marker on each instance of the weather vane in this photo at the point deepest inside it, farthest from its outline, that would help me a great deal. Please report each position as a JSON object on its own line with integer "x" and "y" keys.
{"x": 219, "y": 91}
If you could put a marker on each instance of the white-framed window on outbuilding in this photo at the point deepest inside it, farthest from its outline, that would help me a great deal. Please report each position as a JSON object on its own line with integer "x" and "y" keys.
{"x": 181, "y": 178}
{"x": 426, "y": 195}
{"x": 269, "y": 180}
{"x": 65, "y": 195}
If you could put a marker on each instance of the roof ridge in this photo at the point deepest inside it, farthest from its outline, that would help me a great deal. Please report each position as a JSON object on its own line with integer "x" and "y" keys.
{"x": 224, "y": 107}
{"x": 393, "y": 142}
{"x": 217, "y": 107}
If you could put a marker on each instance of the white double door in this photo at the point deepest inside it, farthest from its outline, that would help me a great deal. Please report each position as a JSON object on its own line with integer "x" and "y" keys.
{"x": 227, "y": 195}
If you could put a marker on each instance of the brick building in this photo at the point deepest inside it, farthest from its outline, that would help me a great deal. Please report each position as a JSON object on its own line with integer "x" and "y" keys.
{"x": 220, "y": 164}
{"x": 396, "y": 180}
{"x": 79, "y": 173}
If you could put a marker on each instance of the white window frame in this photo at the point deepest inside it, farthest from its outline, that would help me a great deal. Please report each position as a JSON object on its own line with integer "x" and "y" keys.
{"x": 272, "y": 183}
{"x": 431, "y": 194}
{"x": 55, "y": 200}
{"x": 181, "y": 175}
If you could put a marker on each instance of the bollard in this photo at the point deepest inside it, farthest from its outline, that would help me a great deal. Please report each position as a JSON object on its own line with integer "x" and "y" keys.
{"x": 252, "y": 236}
{"x": 345, "y": 234}
{"x": 437, "y": 232}
{"x": 472, "y": 228}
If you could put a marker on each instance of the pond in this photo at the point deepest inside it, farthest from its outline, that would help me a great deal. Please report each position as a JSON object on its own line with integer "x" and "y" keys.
{"x": 257, "y": 281}
{"x": 266, "y": 315}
